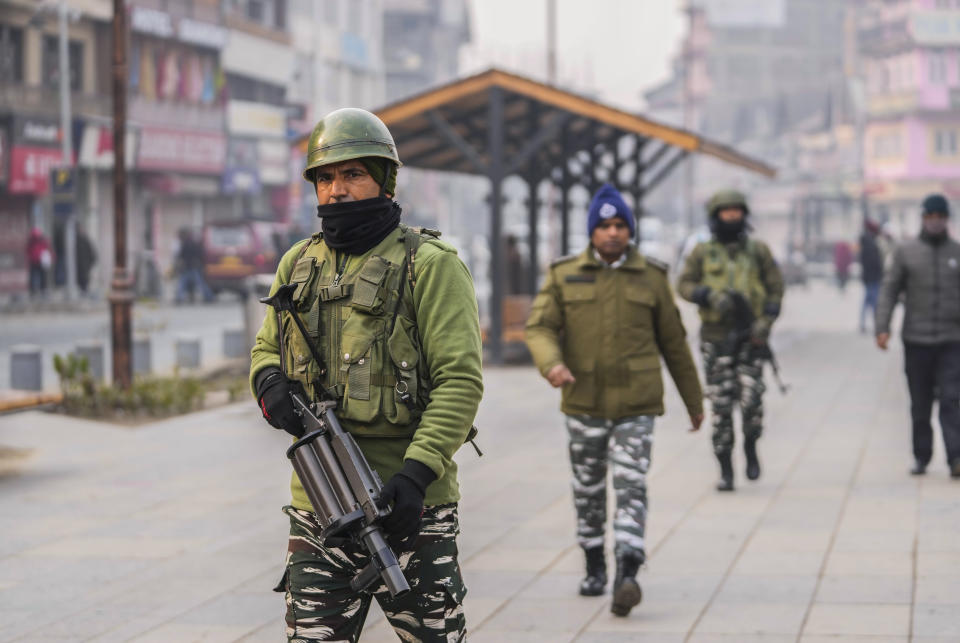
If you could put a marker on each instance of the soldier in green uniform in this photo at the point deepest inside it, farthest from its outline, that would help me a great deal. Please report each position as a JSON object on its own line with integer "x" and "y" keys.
{"x": 597, "y": 330}
{"x": 729, "y": 263}
{"x": 392, "y": 311}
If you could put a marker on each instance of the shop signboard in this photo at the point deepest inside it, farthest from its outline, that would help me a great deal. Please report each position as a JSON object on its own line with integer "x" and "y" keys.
{"x": 166, "y": 149}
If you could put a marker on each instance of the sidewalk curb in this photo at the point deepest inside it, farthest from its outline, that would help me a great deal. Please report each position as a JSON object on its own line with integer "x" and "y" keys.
{"x": 25, "y": 401}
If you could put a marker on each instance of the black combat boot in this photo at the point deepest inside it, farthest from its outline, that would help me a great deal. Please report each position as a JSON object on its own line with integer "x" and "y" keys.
{"x": 626, "y": 589}
{"x": 596, "y": 579}
{"x": 726, "y": 472}
{"x": 753, "y": 464}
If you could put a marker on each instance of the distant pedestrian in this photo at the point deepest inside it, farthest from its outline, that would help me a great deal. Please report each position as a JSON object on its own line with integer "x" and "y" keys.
{"x": 516, "y": 268}
{"x": 39, "y": 261}
{"x": 598, "y": 329}
{"x": 842, "y": 258}
{"x": 871, "y": 270}
{"x": 86, "y": 258}
{"x": 927, "y": 271}
{"x": 189, "y": 266}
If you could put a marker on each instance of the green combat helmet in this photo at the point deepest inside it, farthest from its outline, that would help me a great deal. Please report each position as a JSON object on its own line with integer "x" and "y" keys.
{"x": 727, "y": 199}
{"x": 347, "y": 134}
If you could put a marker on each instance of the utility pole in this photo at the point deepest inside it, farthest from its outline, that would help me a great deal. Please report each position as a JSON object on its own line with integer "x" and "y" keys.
{"x": 688, "y": 170}
{"x": 66, "y": 146}
{"x": 121, "y": 288}
{"x": 552, "y": 42}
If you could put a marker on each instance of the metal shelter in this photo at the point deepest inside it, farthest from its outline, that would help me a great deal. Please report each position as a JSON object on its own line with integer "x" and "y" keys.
{"x": 497, "y": 124}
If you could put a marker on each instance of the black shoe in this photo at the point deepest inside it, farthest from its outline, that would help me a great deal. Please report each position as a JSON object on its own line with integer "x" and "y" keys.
{"x": 955, "y": 468}
{"x": 919, "y": 469}
{"x": 626, "y": 590}
{"x": 753, "y": 464}
{"x": 596, "y": 579}
{"x": 726, "y": 472}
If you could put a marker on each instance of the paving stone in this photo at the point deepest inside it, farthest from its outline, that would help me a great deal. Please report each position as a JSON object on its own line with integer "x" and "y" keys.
{"x": 753, "y": 618}
{"x": 849, "y": 619}
{"x": 865, "y": 589}
{"x": 937, "y": 620}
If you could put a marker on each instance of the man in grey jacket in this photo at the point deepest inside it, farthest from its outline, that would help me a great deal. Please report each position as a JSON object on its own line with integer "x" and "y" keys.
{"x": 927, "y": 271}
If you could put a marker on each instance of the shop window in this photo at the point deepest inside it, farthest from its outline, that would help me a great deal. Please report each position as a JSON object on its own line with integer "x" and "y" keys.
{"x": 11, "y": 54}
{"x": 51, "y": 63}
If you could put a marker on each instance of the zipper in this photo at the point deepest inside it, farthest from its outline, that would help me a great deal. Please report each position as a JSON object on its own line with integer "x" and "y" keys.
{"x": 340, "y": 269}
{"x": 936, "y": 291}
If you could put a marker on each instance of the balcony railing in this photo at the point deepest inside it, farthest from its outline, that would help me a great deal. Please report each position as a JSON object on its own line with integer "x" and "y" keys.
{"x": 45, "y": 101}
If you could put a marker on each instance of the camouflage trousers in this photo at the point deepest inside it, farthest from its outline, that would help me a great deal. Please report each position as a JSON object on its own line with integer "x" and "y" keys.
{"x": 590, "y": 449}
{"x": 322, "y": 607}
{"x": 733, "y": 378}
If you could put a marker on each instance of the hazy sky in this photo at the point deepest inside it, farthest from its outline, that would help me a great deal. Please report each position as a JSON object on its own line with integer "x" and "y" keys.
{"x": 614, "y": 47}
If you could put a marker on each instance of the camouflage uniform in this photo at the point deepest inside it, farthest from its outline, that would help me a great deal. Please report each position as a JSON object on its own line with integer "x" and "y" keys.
{"x": 322, "y": 607}
{"x": 630, "y": 455}
{"x": 733, "y": 377}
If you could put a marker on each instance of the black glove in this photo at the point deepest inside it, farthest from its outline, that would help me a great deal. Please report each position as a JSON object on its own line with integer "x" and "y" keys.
{"x": 701, "y": 296}
{"x": 405, "y": 490}
{"x": 273, "y": 393}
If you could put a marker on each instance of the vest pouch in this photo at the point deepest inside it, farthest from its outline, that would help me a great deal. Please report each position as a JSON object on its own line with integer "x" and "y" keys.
{"x": 303, "y": 274}
{"x": 299, "y": 360}
{"x": 358, "y": 364}
{"x": 405, "y": 393}
{"x": 716, "y": 275}
{"x": 367, "y": 290}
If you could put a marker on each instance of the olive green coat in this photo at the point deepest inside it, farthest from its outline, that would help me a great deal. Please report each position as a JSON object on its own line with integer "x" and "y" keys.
{"x": 443, "y": 309}
{"x": 765, "y": 281}
{"x": 610, "y": 326}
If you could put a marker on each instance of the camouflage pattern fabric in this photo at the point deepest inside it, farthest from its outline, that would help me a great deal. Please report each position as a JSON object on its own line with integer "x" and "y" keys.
{"x": 590, "y": 440}
{"x": 733, "y": 378}
{"x": 322, "y": 607}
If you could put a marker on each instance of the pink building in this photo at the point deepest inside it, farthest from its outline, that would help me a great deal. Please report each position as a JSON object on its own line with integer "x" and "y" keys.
{"x": 911, "y": 56}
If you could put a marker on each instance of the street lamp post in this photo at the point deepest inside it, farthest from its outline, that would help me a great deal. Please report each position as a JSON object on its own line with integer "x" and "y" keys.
{"x": 66, "y": 146}
{"x": 121, "y": 288}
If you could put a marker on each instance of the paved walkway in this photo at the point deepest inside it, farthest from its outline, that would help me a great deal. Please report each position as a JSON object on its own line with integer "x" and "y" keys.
{"x": 172, "y": 532}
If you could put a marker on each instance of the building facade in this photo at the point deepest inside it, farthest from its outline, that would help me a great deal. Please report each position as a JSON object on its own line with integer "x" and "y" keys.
{"x": 208, "y": 129}
{"x": 911, "y": 143}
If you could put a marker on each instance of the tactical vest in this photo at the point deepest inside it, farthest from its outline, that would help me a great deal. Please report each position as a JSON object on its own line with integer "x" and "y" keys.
{"x": 363, "y": 324}
{"x": 740, "y": 272}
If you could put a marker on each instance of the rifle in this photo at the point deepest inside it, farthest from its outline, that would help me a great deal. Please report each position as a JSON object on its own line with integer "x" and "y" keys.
{"x": 743, "y": 319}
{"x": 340, "y": 484}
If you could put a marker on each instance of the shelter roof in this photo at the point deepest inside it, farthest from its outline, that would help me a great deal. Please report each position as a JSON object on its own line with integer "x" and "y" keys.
{"x": 446, "y": 128}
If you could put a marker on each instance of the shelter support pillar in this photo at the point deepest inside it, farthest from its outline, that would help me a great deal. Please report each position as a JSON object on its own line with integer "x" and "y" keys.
{"x": 496, "y": 170}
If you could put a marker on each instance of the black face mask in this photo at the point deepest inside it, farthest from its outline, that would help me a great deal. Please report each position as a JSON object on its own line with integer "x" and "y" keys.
{"x": 728, "y": 232}
{"x": 357, "y": 226}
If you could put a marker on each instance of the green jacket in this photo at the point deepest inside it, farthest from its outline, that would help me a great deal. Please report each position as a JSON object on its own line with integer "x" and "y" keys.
{"x": 610, "y": 326}
{"x": 747, "y": 266}
{"x": 435, "y": 337}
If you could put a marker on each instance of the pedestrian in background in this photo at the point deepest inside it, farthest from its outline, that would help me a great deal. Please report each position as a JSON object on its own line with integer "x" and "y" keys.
{"x": 86, "y": 259}
{"x": 842, "y": 258}
{"x": 189, "y": 266}
{"x": 39, "y": 261}
{"x": 597, "y": 330}
{"x": 926, "y": 270}
{"x": 729, "y": 266}
{"x": 871, "y": 270}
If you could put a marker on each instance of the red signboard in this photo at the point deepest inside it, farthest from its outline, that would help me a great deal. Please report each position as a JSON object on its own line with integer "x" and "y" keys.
{"x": 30, "y": 168}
{"x": 181, "y": 151}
